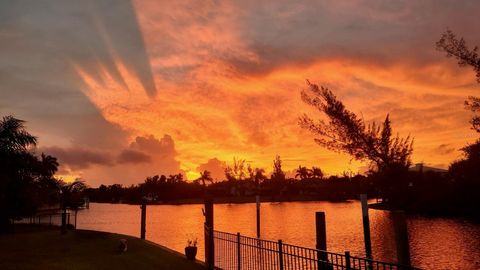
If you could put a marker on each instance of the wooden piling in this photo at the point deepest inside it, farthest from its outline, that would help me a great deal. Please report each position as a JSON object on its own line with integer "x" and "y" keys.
{"x": 143, "y": 220}
{"x": 209, "y": 242}
{"x": 401, "y": 237}
{"x": 366, "y": 226}
{"x": 321, "y": 237}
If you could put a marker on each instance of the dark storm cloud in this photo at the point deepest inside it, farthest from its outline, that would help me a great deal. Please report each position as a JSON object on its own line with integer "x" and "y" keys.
{"x": 132, "y": 156}
{"x": 286, "y": 33}
{"x": 144, "y": 157}
{"x": 165, "y": 147}
{"x": 79, "y": 158}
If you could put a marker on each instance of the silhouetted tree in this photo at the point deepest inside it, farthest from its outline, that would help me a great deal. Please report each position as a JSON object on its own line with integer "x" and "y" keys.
{"x": 18, "y": 171}
{"x": 71, "y": 195}
{"x": 346, "y": 132}
{"x": 151, "y": 186}
{"x": 317, "y": 173}
{"x": 175, "y": 178}
{"x": 205, "y": 177}
{"x": 49, "y": 165}
{"x": 457, "y": 47}
{"x": 303, "y": 173}
{"x": 163, "y": 179}
{"x": 14, "y": 138}
{"x": 237, "y": 172}
{"x": 257, "y": 176}
{"x": 179, "y": 178}
{"x": 465, "y": 176}
{"x": 468, "y": 168}
{"x": 277, "y": 173}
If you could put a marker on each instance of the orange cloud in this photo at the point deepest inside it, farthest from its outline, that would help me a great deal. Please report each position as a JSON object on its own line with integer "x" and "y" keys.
{"x": 226, "y": 91}
{"x": 261, "y": 122}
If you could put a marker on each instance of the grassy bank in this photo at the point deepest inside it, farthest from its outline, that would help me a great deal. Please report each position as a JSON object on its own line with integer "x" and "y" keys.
{"x": 48, "y": 249}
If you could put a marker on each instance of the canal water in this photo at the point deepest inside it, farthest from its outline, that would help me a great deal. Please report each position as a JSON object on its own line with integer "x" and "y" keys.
{"x": 435, "y": 243}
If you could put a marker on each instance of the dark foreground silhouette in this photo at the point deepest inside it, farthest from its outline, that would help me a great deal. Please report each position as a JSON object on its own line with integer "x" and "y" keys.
{"x": 79, "y": 249}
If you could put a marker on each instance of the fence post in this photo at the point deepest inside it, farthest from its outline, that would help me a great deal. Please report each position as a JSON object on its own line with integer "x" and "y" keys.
{"x": 239, "y": 254}
{"x": 347, "y": 260}
{"x": 143, "y": 219}
{"x": 280, "y": 254}
{"x": 209, "y": 243}
{"x": 366, "y": 226}
{"x": 64, "y": 220}
{"x": 76, "y": 212}
{"x": 321, "y": 245}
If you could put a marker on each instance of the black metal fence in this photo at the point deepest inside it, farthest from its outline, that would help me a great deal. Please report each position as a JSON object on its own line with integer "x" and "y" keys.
{"x": 235, "y": 252}
{"x": 51, "y": 219}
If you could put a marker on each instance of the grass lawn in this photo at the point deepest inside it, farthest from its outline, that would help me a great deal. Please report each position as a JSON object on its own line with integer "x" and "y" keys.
{"x": 48, "y": 249}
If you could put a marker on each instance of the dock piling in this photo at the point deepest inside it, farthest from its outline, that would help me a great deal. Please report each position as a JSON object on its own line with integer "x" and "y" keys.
{"x": 401, "y": 237}
{"x": 321, "y": 237}
{"x": 143, "y": 220}
{"x": 366, "y": 226}
{"x": 209, "y": 242}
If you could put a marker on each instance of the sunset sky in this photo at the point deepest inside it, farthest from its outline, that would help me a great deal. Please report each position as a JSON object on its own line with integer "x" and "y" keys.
{"x": 119, "y": 90}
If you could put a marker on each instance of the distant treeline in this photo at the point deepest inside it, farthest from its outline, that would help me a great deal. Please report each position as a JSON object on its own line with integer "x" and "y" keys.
{"x": 456, "y": 192}
{"x": 158, "y": 189}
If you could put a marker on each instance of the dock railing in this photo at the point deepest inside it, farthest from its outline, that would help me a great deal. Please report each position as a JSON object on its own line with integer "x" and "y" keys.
{"x": 236, "y": 252}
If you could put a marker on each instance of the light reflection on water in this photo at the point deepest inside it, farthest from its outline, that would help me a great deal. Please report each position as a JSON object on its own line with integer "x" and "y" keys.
{"x": 435, "y": 243}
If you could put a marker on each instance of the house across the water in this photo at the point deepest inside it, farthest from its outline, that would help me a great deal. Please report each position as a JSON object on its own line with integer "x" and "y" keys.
{"x": 420, "y": 167}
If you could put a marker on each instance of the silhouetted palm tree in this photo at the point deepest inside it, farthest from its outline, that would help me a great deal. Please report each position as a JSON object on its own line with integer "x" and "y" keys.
{"x": 14, "y": 138}
{"x": 175, "y": 178}
{"x": 205, "y": 177}
{"x": 303, "y": 173}
{"x": 317, "y": 173}
{"x": 71, "y": 193}
{"x": 17, "y": 171}
{"x": 70, "y": 197}
{"x": 49, "y": 165}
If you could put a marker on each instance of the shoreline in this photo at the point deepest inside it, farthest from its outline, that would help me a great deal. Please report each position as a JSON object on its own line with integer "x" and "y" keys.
{"x": 236, "y": 200}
